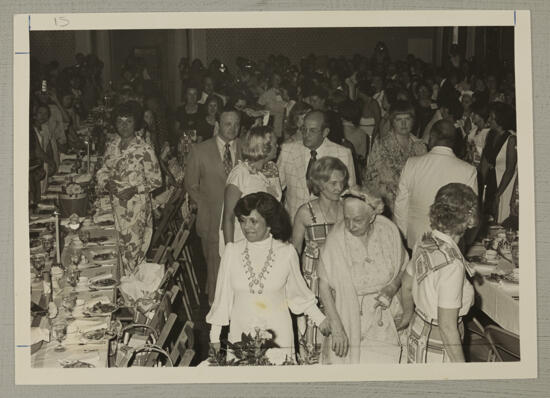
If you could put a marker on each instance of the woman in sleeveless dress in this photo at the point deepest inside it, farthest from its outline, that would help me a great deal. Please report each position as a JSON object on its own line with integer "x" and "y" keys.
{"x": 327, "y": 179}
{"x": 256, "y": 173}
{"x": 499, "y": 161}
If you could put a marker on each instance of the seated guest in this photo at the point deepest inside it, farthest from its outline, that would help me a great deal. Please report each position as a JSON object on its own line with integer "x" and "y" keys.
{"x": 296, "y": 158}
{"x": 259, "y": 147}
{"x": 206, "y": 126}
{"x": 362, "y": 262}
{"x": 390, "y": 153}
{"x": 436, "y": 294}
{"x": 422, "y": 177}
{"x": 259, "y": 279}
{"x": 129, "y": 174}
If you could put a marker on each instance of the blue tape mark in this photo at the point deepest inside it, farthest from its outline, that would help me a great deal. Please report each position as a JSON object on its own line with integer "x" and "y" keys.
{"x": 514, "y": 17}
{"x": 22, "y": 346}
{"x": 21, "y": 52}
{"x": 29, "y": 23}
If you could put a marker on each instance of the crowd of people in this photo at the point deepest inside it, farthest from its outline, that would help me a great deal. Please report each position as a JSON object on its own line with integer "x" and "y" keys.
{"x": 353, "y": 185}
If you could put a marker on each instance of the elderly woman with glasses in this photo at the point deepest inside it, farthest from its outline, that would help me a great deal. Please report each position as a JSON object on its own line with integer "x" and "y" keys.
{"x": 359, "y": 275}
{"x": 436, "y": 294}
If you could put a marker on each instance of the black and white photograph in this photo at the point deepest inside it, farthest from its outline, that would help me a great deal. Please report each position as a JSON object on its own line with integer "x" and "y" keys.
{"x": 274, "y": 198}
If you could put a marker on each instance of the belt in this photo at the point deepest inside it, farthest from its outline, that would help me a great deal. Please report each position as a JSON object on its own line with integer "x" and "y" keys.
{"x": 429, "y": 320}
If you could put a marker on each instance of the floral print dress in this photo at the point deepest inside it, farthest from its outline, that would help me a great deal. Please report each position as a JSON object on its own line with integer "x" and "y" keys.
{"x": 136, "y": 166}
{"x": 385, "y": 163}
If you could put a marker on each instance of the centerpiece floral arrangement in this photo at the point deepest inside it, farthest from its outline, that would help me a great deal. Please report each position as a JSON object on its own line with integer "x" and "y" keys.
{"x": 258, "y": 348}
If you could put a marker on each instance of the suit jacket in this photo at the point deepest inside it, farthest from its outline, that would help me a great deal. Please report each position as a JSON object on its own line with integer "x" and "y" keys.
{"x": 292, "y": 164}
{"x": 420, "y": 180}
{"x": 205, "y": 181}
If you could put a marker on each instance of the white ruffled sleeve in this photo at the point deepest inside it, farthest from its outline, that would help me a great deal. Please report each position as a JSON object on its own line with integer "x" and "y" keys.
{"x": 299, "y": 297}
{"x": 220, "y": 312}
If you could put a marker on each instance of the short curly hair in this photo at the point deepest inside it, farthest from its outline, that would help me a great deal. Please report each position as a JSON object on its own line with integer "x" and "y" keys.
{"x": 455, "y": 209}
{"x": 257, "y": 143}
{"x": 321, "y": 170}
{"x": 270, "y": 209}
{"x": 129, "y": 109}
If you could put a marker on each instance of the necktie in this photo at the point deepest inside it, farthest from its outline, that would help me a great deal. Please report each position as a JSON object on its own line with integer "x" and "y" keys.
{"x": 311, "y": 161}
{"x": 227, "y": 162}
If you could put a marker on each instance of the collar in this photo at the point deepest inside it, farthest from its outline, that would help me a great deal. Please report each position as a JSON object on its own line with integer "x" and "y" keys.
{"x": 319, "y": 148}
{"x": 442, "y": 150}
{"x": 221, "y": 142}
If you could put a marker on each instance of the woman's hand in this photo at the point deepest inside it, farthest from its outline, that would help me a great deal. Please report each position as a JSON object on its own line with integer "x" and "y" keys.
{"x": 324, "y": 327}
{"x": 385, "y": 296}
{"x": 126, "y": 194}
{"x": 404, "y": 322}
{"x": 340, "y": 342}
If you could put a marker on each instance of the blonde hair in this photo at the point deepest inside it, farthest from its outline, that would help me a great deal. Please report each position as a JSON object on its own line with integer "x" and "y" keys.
{"x": 321, "y": 171}
{"x": 257, "y": 143}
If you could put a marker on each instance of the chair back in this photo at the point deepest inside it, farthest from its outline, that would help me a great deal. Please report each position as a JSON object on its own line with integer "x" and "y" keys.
{"x": 504, "y": 344}
{"x": 183, "y": 352}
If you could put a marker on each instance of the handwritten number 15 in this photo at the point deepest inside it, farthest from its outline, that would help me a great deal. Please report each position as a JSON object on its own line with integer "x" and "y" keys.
{"x": 61, "y": 21}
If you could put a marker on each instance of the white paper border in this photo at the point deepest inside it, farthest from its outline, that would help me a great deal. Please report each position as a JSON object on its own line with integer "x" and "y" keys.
{"x": 527, "y": 368}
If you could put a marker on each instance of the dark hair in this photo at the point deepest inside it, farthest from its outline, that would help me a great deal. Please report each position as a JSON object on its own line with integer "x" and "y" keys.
{"x": 480, "y": 108}
{"x": 445, "y": 133}
{"x": 270, "y": 209}
{"x": 351, "y": 111}
{"x": 505, "y": 115}
{"x": 454, "y": 107}
{"x": 127, "y": 109}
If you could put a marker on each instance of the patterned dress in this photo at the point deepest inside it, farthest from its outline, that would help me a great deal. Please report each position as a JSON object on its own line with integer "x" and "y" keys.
{"x": 385, "y": 163}
{"x": 135, "y": 166}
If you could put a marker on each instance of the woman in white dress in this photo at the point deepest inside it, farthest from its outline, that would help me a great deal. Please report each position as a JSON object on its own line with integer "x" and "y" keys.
{"x": 499, "y": 161}
{"x": 256, "y": 173}
{"x": 259, "y": 278}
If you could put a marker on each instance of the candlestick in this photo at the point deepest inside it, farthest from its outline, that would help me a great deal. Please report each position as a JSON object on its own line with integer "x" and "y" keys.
{"x": 57, "y": 245}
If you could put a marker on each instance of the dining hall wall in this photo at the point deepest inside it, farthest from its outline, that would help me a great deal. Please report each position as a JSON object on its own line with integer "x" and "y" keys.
{"x": 227, "y": 44}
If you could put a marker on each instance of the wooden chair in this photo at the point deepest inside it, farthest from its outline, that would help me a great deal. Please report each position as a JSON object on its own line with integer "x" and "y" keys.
{"x": 169, "y": 214}
{"x": 504, "y": 344}
{"x": 183, "y": 351}
{"x": 166, "y": 337}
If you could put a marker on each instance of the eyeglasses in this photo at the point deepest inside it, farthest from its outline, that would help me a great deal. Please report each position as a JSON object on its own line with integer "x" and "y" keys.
{"x": 305, "y": 130}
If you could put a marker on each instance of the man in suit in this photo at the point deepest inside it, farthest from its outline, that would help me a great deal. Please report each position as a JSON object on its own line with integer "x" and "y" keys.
{"x": 296, "y": 158}
{"x": 422, "y": 177}
{"x": 207, "y": 168}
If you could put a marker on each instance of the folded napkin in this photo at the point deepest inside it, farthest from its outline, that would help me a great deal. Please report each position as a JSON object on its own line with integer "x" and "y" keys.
{"x": 509, "y": 287}
{"x": 55, "y": 188}
{"x": 84, "y": 325}
{"x": 41, "y": 220}
{"x": 67, "y": 156}
{"x": 143, "y": 282}
{"x": 41, "y": 332}
{"x": 49, "y": 196}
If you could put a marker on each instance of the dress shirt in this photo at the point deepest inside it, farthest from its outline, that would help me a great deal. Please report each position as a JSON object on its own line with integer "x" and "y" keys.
{"x": 232, "y": 149}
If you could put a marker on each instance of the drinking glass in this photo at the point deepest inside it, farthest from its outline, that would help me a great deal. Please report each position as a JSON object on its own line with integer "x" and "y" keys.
{"x": 59, "y": 330}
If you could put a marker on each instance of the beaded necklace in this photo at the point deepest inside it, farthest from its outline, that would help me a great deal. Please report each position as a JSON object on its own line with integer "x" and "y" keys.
{"x": 249, "y": 270}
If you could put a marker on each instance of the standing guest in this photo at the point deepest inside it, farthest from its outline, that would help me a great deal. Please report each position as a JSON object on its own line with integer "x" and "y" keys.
{"x": 423, "y": 176}
{"x": 499, "y": 161}
{"x": 272, "y": 100}
{"x": 390, "y": 153}
{"x": 296, "y": 158}
{"x": 351, "y": 116}
{"x": 206, "y": 127}
{"x": 359, "y": 275}
{"x": 425, "y": 108}
{"x": 436, "y": 294}
{"x": 130, "y": 173}
{"x": 259, "y": 147}
{"x": 259, "y": 279}
{"x": 295, "y": 121}
{"x": 328, "y": 177}
{"x": 370, "y": 114}
{"x": 478, "y": 133}
{"x": 46, "y": 149}
{"x": 207, "y": 168}
{"x": 188, "y": 115}
{"x": 36, "y": 167}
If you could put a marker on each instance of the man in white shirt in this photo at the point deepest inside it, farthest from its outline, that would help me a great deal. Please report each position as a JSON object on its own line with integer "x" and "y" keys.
{"x": 296, "y": 156}
{"x": 424, "y": 175}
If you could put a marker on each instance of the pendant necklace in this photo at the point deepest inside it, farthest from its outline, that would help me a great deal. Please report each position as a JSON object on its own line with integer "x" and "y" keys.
{"x": 262, "y": 275}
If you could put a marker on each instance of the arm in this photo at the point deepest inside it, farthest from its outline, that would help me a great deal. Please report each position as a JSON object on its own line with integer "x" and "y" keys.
{"x": 448, "y": 319}
{"x": 406, "y": 300}
{"x": 340, "y": 342}
{"x": 192, "y": 180}
{"x": 299, "y": 229}
{"x": 351, "y": 168}
{"x": 231, "y": 196}
{"x": 281, "y": 163}
{"x": 401, "y": 209}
